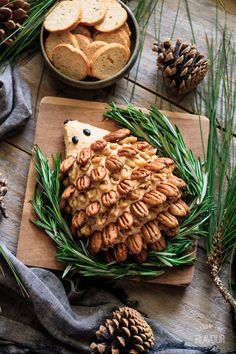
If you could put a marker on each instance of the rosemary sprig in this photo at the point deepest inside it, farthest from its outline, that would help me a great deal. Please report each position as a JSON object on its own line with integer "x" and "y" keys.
{"x": 179, "y": 250}
{"x": 155, "y": 128}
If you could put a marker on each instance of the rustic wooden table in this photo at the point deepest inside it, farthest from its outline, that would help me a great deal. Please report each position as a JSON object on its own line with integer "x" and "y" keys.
{"x": 197, "y": 314}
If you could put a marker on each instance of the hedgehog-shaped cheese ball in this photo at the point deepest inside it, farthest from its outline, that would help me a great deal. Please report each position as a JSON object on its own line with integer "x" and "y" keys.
{"x": 121, "y": 196}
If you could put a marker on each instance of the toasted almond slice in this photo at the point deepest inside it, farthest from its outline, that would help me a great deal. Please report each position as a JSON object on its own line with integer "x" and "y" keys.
{"x": 82, "y": 30}
{"x": 118, "y": 36}
{"x": 114, "y": 18}
{"x": 70, "y": 61}
{"x": 83, "y": 41}
{"x": 93, "y": 11}
{"x": 65, "y": 16}
{"x": 109, "y": 60}
{"x": 93, "y": 47}
{"x": 54, "y": 39}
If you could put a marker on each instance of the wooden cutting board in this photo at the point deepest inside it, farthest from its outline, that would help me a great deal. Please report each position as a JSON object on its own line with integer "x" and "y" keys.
{"x": 34, "y": 247}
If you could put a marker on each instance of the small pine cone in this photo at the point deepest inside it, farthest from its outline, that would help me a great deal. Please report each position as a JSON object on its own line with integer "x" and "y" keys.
{"x": 3, "y": 192}
{"x": 126, "y": 333}
{"x": 12, "y": 15}
{"x": 182, "y": 65}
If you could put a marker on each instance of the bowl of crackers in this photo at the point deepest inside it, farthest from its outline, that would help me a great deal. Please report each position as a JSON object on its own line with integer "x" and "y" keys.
{"x": 90, "y": 44}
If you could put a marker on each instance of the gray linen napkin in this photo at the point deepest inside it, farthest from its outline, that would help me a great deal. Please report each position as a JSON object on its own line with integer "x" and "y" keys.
{"x": 15, "y": 100}
{"x": 46, "y": 322}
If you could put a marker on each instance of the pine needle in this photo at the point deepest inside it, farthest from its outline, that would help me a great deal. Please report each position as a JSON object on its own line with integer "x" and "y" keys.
{"x": 14, "y": 272}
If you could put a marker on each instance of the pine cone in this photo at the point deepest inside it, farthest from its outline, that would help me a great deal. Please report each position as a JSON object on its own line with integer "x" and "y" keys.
{"x": 3, "y": 192}
{"x": 183, "y": 67}
{"x": 12, "y": 15}
{"x": 126, "y": 333}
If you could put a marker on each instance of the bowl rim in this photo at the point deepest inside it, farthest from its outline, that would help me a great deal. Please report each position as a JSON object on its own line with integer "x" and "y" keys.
{"x": 104, "y": 82}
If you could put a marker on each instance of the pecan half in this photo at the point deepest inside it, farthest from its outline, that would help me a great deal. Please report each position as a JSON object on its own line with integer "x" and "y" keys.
{"x": 109, "y": 199}
{"x": 84, "y": 156}
{"x": 114, "y": 163}
{"x": 142, "y": 256}
{"x": 110, "y": 234}
{"x": 127, "y": 151}
{"x": 180, "y": 208}
{"x": 78, "y": 219}
{"x": 167, "y": 220}
{"x": 150, "y": 232}
{"x": 171, "y": 232}
{"x": 165, "y": 160}
{"x": 99, "y": 145}
{"x": 125, "y": 187}
{"x": 134, "y": 244}
{"x": 139, "y": 209}
{"x": 120, "y": 252}
{"x": 155, "y": 166}
{"x": 95, "y": 242}
{"x": 176, "y": 181}
{"x": 83, "y": 183}
{"x": 109, "y": 255}
{"x": 68, "y": 192}
{"x": 142, "y": 145}
{"x": 98, "y": 174}
{"x": 170, "y": 190}
{"x": 159, "y": 245}
{"x": 117, "y": 135}
{"x": 140, "y": 173}
{"x": 93, "y": 208}
{"x": 154, "y": 198}
{"x": 67, "y": 164}
{"x": 125, "y": 221}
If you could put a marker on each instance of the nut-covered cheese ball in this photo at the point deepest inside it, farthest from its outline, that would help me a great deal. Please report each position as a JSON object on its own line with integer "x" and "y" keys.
{"x": 122, "y": 196}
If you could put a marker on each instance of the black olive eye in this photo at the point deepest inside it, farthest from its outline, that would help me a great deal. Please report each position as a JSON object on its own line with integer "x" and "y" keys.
{"x": 75, "y": 139}
{"x": 87, "y": 132}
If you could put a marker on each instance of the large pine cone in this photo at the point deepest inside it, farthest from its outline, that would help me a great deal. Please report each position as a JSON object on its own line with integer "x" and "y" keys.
{"x": 122, "y": 196}
{"x": 182, "y": 65}
{"x": 126, "y": 333}
{"x": 12, "y": 15}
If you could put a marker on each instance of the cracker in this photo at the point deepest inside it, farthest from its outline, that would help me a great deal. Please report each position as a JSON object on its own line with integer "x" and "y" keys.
{"x": 114, "y": 18}
{"x": 93, "y": 47}
{"x": 70, "y": 61}
{"x": 64, "y": 16}
{"x": 83, "y": 41}
{"x": 93, "y": 11}
{"x": 54, "y": 39}
{"x": 109, "y": 60}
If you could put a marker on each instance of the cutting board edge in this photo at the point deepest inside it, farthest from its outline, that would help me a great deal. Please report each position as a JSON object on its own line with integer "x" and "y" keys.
{"x": 87, "y": 104}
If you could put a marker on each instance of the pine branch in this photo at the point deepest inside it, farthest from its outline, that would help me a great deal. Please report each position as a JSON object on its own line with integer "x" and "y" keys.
{"x": 27, "y": 35}
{"x": 220, "y": 167}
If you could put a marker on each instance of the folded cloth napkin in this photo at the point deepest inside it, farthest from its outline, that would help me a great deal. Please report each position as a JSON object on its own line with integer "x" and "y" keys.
{"x": 46, "y": 322}
{"x": 15, "y": 100}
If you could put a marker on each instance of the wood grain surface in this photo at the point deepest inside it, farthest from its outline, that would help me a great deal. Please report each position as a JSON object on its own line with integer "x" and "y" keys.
{"x": 37, "y": 249}
{"x": 197, "y": 314}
